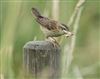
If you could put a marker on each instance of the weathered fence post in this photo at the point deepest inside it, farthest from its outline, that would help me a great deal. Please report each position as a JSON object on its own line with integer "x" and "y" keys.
{"x": 42, "y": 59}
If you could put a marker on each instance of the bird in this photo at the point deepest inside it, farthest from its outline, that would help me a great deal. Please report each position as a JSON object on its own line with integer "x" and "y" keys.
{"x": 50, "y": 27}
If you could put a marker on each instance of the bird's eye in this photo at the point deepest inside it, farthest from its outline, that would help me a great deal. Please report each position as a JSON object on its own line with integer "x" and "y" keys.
{"x": 64, "y": 27}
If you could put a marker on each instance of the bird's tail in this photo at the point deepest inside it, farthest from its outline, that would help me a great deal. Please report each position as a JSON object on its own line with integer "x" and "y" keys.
{"x": 36, "y": 12}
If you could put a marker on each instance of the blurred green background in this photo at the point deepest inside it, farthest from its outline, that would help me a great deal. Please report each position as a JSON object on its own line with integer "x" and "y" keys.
{"x": 17, "y": 27}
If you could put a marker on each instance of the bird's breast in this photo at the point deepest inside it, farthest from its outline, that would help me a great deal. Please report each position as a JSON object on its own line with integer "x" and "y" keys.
{"x": 50, "y": 33}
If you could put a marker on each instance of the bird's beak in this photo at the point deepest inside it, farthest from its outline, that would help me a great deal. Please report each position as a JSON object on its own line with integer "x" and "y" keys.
{"x": 69, "y": 34}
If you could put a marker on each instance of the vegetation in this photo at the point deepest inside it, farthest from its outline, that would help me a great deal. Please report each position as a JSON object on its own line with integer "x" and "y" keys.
{"x": 17, "y": 26}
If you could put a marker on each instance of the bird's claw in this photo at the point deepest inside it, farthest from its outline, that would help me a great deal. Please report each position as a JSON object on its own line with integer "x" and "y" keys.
{"x": 53, "y": 41}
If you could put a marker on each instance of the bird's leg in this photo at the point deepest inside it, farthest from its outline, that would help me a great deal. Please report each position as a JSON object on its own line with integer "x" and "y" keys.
{"x": 53, "y": 41}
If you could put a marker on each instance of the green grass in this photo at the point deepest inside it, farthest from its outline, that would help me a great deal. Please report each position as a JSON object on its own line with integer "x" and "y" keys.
{"x": 17, "y": 26}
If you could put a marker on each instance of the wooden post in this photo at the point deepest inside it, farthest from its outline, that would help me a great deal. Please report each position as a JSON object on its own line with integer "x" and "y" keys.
{"x": 42, "y": 59}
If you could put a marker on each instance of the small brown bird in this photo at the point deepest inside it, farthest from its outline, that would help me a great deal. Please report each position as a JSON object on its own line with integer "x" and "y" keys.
{"x": 51, "y": 28}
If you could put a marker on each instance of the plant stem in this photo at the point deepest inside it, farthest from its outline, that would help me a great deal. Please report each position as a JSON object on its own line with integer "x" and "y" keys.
{"x": 75, "y": 18}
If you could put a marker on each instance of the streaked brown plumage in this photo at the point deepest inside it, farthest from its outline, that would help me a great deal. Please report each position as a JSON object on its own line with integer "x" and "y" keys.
{"x": 51, "y": 28}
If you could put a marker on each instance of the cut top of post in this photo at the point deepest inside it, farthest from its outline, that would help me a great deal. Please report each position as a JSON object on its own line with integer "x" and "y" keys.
{"x": 44, "y": 45}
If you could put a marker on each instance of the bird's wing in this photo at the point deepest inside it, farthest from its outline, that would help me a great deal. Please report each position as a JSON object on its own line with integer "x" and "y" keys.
{"x": 49, "y": 24}
{"x": 53, "y": 25}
